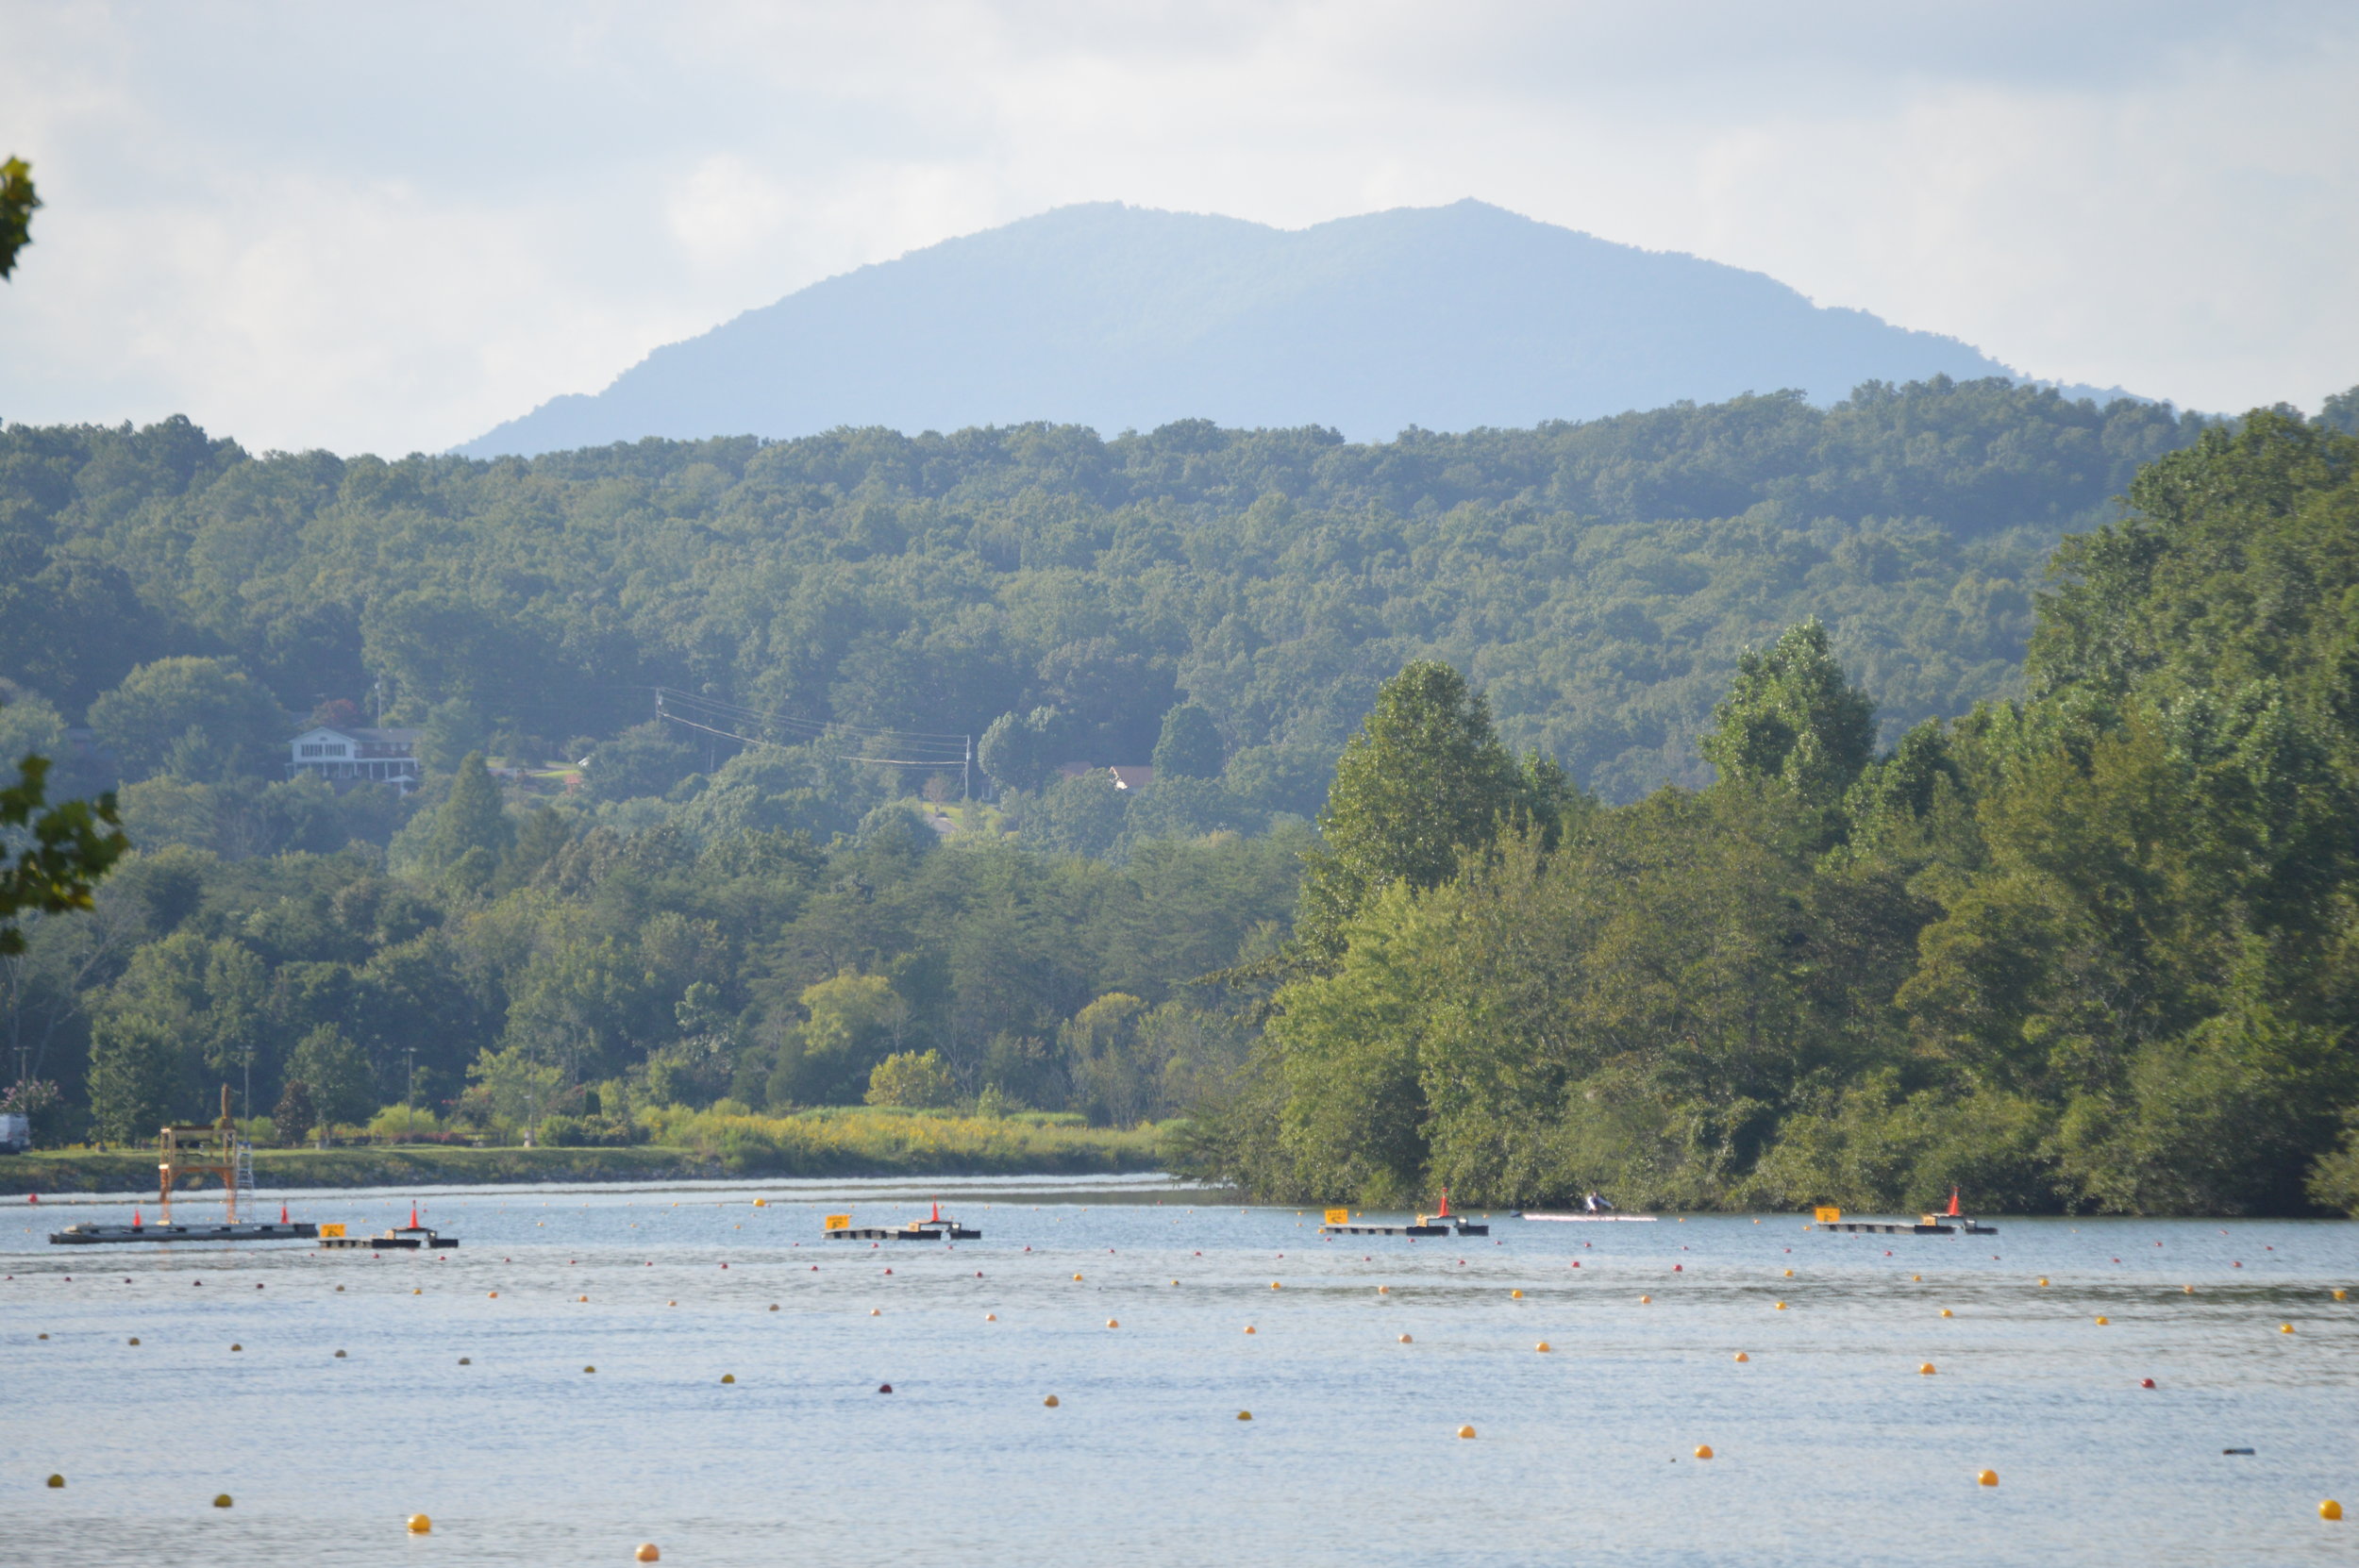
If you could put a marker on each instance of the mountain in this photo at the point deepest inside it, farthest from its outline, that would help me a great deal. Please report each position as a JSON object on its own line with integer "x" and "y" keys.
{"x": 1117, "y": 317}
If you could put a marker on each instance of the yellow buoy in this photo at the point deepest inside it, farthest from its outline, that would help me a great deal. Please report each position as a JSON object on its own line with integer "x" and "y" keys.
{"x": 1050, "y": 1401}
{"x": 2330, "y": 1509}
{"x": 1113, "y": 1322}
{"x": 57, "y": 1480}
{"x": 1077, "y": 1277}
{"x": 1946, "y": 1312}
{"x": 2342, "y": 1295}
{"x": 1244, "y": 1415}
{"x": 1781, "y": 1305}
{"x": 1645, "y": 1301}
{"x": 1789, "y": 1274}
{"x": 1988, "y": 1477}
{"x": 2043, "y": 1282}
{"x": 649, "y": 1551}
{"x": 1916, "y": 1278}
{"x": 1273, "y": 1284}
{"x": 1703, "y": 1450}
{"x": 1466, "y": 1431}
{"x": 2102, "y": 1320}
{"x": 761, "y": 1203}
{"x": 1742, "y": 1356}
{"x": 1542, "y": 1348}
{"x": 2285, "y": 1327}
{"x": 422, "y": 1292}
{"x": 221, "y": 1499}
{"x": 728, "y": 1378}
{"x": 1927, "y": 1369}
{"x": 1516, "y": 1294}
{"x": 421, "y": 1524}
{"x": 1406, "y": 1340}
{"x": 2189, "y": 1289}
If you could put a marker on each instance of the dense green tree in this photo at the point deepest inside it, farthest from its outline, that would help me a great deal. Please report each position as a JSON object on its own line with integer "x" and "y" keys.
{"x": 336, "y": 1074}
{"x": 202, "y": 719}
{"x": 1422, "y": 783}
{"x": 17, "y": 201}
{"x": 471, "y": 827}
{"x": 1793, "y": 717}
{"x": 1189, "y": 746}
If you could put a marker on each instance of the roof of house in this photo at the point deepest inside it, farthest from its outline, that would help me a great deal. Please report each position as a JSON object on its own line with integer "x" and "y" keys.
{"x": 377, "y": 737}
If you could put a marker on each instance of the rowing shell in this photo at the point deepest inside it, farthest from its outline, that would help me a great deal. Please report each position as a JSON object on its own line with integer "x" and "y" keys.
{"x": 1594, "y": 1219}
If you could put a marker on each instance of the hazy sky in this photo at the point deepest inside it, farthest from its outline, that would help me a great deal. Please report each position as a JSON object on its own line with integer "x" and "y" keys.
{"x": 388, "y": 226}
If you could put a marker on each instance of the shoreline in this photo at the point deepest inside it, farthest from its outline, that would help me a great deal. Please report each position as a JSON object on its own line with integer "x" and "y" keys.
{"x": 413, "y": 1164}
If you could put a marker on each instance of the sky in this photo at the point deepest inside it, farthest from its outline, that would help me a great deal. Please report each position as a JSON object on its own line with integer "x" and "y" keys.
{"x": 386, "y": 227}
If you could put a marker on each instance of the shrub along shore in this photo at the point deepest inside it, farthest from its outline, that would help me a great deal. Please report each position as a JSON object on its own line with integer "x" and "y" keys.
{"x": 693, "y": 1147}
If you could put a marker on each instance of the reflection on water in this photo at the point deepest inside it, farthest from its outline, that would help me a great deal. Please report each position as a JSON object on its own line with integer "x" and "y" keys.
{"x": 1829, "y": 1445}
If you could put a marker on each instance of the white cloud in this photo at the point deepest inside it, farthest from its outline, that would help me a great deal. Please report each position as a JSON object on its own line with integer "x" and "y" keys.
{"x": 390, "y": 228}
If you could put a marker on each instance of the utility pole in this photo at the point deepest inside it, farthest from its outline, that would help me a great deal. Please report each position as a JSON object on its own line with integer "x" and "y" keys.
{"x": 967, "y": 772}
{"x": 379, "y": 690}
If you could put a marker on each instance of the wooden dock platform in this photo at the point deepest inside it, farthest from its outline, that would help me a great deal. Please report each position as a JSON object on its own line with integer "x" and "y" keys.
{"x": 1880, "y": 1228}
{"x": 100, "y": 1235}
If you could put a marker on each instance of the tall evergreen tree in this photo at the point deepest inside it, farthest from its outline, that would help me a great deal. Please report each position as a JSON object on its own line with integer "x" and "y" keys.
{"x": 471, "y": 827}
{"x": 1423, "y": 781}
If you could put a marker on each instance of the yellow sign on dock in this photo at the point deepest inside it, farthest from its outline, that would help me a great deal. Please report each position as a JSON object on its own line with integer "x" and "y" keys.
{"x": 836, "y": 1222}
{"x": 326, "y": 1230}
{"x": 1338, "y": 1217}
{"x": 1826, "y": 1216}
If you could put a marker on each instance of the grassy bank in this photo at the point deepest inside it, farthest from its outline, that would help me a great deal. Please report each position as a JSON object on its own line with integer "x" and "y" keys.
{"x": 819, "y": 1143}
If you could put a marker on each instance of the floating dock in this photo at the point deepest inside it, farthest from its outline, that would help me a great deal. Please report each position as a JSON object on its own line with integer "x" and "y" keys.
{"x": 1882, "y": 1227}
{"x": 934, "y": 1227}
{"x": 404, "y": 1238}
{"x": 99, "y": 1235}
{"x": 1339, "y": 1223}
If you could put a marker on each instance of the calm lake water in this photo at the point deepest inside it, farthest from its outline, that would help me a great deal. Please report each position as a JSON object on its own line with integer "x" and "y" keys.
{"x": 1830, "y": 1447}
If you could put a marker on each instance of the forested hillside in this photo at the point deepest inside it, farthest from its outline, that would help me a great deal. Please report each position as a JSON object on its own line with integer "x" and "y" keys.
{"x": 1598, "y": 580}
{"x": 784, "y": 926}
{"x": 2097, "y": 948}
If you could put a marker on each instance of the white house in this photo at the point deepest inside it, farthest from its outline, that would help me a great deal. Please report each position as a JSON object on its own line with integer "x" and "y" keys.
{"x": 347, "y": 757}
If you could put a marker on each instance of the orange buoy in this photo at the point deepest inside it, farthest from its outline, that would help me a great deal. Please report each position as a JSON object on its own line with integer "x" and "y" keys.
{"x": 648, "y": 1552}
{"x": 1742, "y": 1356}
{"x": 1703, "y": 1450}
{"x": 2330, "y": 1510}
{"x": 1542, "y": 1348}
{"x": 2102, "y": 1320}
{"x": 1946, "y": 1312}
{"x": 1244, "y": 1415}
{"x": 421, "y": 1524}
{"x": 1050, "y": 1402}
{"x": 1405, "y": 1340}
{"x": 2282, "y": 1328}
{"x": 1645, "y": 1301}
{"x": 1113, "y": 1322}
{"x": 1927, "y": 1369}
{"x": 1248, "y": 1328}
{"x": 1466, "y": 1431}
{"x": 1781, "y": 1305}
{"x": 1987, "y": 1478}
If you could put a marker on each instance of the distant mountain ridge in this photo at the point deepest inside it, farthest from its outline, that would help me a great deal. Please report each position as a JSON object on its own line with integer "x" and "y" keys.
{"x": 1117, "y": 317}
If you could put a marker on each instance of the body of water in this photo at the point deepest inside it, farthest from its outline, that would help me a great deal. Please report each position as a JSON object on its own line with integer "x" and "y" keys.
{"x": 1130, "y": 1302}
